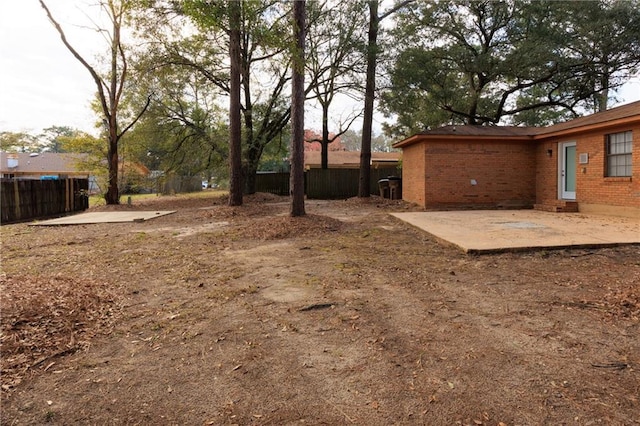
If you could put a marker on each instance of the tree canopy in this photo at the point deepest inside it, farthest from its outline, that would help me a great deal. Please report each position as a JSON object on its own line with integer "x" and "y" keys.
{"x": 110, "y": 84}
{"x": 427, "y": 63}
{"x": 518, "y": 62}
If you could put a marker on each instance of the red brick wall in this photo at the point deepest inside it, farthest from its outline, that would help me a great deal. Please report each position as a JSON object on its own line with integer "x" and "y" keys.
{"x": 592, "y": 187}
{"x": 504, "y": 172}
{"x": 413, "y": 182}
{"x": 546, "y": 172}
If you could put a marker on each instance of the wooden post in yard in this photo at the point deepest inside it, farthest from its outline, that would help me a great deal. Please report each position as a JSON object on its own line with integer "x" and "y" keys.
{"x": 16, "y": 197}
{"x": 66, "y": 195}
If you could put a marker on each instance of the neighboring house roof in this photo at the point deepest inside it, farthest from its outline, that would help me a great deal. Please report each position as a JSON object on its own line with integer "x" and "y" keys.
{"x": 46, "y": 163}
{"x": 348, "y": 159}
{"x": 614, "y": 116}
{"x": 50, "y": 163}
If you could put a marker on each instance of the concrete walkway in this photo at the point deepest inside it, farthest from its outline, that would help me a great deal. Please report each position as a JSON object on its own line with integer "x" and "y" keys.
{"x": 104, "y": 217}
{"x": 483, "y": 231}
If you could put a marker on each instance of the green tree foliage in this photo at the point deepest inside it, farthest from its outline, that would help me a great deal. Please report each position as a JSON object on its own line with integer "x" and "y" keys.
{"x": 373, "y": 54}
{"x": 275, "y": 156}
{"x": 51, "y": 139}
{"x": 604, "y": 43}
{"x": 379, "y": 143}
{"x": 482, "y": 62}
{"x": 335, "y": 59}
{"x": 95, "y": 151}
{"x": 53, "y": 136}
{"x": 183, "y": 132}
{"x": 110, "y": 85}
{"x": 265, "y": 37}
{"x": 194, "y": 35}
{"x": 18, "y": 142}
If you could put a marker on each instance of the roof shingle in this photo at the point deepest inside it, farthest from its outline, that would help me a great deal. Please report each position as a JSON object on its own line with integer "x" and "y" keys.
{"x": 523, "y": 133}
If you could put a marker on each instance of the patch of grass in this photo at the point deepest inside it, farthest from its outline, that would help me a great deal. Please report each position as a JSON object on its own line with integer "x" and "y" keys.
{"x": 347, "y": 267}
{"x": 156, "y": 326}
{"x": 98, "y": 200}
{"x": 313, "y": 281}
{"x": 228, "y": 293}
{"x": 204, "y": 194}
{"x": 49, "y": 416}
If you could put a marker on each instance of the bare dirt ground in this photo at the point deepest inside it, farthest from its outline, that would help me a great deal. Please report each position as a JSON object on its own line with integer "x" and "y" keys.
{"x": 218, "y": 316}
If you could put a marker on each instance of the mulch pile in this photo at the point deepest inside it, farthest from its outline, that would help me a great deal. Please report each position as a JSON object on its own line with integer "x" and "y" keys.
{"x": 623, "y": 302}
{"x": 287, "y": 227}
{"x": 44, "y": 317}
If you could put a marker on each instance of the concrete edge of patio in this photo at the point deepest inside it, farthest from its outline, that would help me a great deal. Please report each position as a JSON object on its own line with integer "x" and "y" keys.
{"x": 104, "y": 217}
{"x": 497, "y": 231}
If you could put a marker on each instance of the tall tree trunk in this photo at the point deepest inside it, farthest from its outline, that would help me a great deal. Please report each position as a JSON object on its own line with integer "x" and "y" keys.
{"x": 324, "y": 154}
{"x": 364, "y": 187}
{"x": 297, "y": 112}
{"x": 112, "y": 195}
{"x": 250, "y": 167}
{"x": 235, "y": 131}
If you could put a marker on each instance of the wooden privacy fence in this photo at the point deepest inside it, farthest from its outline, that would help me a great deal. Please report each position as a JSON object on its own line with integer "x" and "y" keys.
{"x": 324, "y": 183}
{"x": 273, "y": 183}
{"x": 29, "y": 199}
{"x": 342, "y": 183}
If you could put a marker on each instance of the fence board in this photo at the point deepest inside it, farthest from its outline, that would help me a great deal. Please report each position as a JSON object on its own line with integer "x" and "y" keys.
{"x": 342, "y": 183}
{"x": 27, "y": 199}
{"x": 323, "y": 184}
{"x": 273, "y": 183}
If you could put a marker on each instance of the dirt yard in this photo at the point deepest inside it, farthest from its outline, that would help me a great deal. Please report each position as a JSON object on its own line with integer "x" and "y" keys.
{"x": 218, "y": 316}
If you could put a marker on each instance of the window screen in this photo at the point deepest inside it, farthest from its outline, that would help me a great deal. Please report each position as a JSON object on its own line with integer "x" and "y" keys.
{"x": 619, "y": 148}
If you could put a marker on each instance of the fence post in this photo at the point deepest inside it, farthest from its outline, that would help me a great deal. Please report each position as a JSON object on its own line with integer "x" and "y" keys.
{"x": 67, "y": 199}
{"x": 16, "y": 194}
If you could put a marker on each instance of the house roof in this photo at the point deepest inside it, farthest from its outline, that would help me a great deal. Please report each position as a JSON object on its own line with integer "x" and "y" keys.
{"x": 469, "y": 130}
{"x": 610, "y": 117}
{"x": 348, "y": 158}
{"x": 46, "y": 163}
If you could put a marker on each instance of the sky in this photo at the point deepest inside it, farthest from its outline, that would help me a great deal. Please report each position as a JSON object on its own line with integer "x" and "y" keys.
{"x": 42, "y": 84}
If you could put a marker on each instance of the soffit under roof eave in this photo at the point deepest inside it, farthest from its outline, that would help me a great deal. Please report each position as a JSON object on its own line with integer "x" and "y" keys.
{"x": 406, "y": 142}
{"x": 465, "y": 138}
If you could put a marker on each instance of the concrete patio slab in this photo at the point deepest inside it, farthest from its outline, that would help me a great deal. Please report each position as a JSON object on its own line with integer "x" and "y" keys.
{"x": 484, "y": 231}
{"x": 104, "y": 217}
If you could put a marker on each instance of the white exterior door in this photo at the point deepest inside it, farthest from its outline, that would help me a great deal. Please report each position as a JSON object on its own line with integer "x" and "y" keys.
{"x": 567, "y": 165}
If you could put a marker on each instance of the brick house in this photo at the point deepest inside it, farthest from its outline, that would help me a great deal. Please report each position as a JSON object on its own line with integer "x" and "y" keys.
{"x": 587, "y": 164}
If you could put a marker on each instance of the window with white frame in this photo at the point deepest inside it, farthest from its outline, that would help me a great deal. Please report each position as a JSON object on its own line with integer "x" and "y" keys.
{"x": 618, "y": 149}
